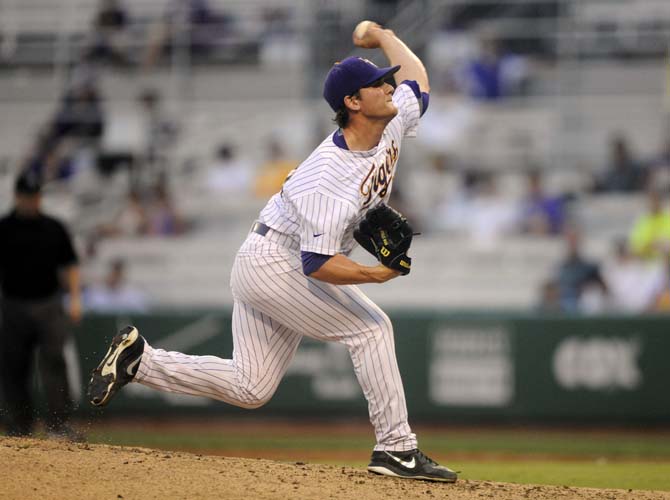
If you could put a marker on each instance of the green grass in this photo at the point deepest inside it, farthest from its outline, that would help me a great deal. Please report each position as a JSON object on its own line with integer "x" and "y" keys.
{"x": 607, "y": 460}
{"x": 227, "y": 441}
{"x": 589, "y": 474}
{"x": 617, "y": 446}
{"x": 624, "y": 475}
{"x": 554, "y": 443}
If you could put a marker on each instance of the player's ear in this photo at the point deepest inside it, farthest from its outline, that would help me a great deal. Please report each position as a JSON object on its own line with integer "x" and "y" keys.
{"x": 352, "y": 102}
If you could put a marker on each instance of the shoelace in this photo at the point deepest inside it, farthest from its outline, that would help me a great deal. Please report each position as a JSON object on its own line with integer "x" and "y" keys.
{"x": 425, "y": 457}
{"x": 429, "y": 460}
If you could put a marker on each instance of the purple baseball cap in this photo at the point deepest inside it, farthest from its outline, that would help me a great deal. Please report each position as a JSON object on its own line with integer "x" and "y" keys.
{"x": 348, "y": 76}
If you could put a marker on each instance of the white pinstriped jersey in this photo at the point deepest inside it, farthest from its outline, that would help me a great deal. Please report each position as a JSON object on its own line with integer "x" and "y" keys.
{"x": 275, "y": 304}
{"x": 326, "y": 196}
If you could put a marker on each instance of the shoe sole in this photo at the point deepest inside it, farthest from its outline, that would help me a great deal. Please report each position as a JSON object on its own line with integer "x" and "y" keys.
{"x": 383, "y": 471}
{"x": 108, "y": 365}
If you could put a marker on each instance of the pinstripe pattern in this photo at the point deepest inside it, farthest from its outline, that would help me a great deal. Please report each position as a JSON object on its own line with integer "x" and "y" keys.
{"x": 248, "y": 380}
{"x": 323, "y": 195}
{"x": 275, "y": 304}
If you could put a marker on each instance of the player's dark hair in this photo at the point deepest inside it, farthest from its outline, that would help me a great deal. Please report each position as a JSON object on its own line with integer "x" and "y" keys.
{"x": 342, "y": 114}
{"x": 341, "y": 117}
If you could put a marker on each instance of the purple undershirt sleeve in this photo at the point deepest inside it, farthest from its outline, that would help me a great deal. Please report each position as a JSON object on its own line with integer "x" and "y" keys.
{"x": 312, "y": 261}
{"x": 424, "y": 97}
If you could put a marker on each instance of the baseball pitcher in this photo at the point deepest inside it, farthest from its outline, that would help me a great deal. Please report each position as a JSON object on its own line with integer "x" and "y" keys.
{"x": 292, "y": 276}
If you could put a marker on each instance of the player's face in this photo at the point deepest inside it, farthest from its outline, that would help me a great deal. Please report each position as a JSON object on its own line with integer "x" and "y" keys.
{"x": 376, "y": 100}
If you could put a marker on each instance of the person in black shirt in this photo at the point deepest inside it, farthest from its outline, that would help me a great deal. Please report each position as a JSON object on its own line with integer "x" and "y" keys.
{"x": 36, "y": 251}
{"x": 577, "y": 274}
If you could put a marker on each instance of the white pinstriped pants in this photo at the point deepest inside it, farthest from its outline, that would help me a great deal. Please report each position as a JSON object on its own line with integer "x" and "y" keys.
{"x": 275, "y": 305}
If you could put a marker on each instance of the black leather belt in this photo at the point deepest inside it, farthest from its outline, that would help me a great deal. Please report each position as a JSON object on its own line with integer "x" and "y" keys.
{"x": 260, "y": 228}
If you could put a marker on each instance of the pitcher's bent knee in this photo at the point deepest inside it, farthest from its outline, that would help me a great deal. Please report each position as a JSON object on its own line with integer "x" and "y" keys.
{"x": 252, "y": 399}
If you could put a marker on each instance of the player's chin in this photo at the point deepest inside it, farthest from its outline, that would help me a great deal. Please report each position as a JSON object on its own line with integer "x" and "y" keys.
{"x": 393, "y": 110}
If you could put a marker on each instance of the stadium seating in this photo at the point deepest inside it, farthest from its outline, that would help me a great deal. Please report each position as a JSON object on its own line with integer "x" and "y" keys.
{"x": 562, "y": 128}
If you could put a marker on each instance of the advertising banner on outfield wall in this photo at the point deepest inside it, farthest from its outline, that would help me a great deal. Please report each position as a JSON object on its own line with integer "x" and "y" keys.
{"x": 453, "y": 366}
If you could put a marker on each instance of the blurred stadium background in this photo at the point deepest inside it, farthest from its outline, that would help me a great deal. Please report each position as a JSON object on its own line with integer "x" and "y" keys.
{"x": 162, "y": 127}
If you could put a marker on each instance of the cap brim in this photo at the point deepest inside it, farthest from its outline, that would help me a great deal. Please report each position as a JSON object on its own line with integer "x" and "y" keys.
{"x": 383, "y": 73}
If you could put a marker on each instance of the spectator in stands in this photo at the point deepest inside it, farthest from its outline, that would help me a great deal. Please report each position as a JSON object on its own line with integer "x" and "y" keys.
{"x": 633, "y": 284}
{"x": 274, "y": 171}
{"x": 477, "y": 210}
{"x": 541, "y": 214}
{"x": 48, "y": 159}
{"x": 622, "y": 174}
{"x": 650, "y": 236}
{"x": 164, "y": 219}
{"x": 131, "y": 219}
{"x": 192, "y": 22}
{"x": 492, "y": 75}
{"x": 659, "y": 167}
{"x": 114, "y": 294}
{"x": 109, "y": 38}
{"x": 80, "y": 115}
{"x": 490, "y": 215}
{"x": 577, "y": 275}
{"x": 228, "y": 173}
{"x": 550, "y": 298}
{"x": 452, "y": 210}
{"x": 160, "y": 133}
{"x": 70, "y": 141}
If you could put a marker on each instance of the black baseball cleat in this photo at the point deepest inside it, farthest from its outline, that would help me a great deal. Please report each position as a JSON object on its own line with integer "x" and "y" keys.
{"x": 412, "y": 464}
{"x": 118, "y": 367}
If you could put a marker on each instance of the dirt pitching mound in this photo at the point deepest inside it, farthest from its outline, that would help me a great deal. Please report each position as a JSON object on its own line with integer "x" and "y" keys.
{"x": 44, "y": 470}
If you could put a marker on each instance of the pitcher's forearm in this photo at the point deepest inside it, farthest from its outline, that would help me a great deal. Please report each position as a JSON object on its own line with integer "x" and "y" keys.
{"x": 411, "y": 67}
{"x": 341, "y": 270}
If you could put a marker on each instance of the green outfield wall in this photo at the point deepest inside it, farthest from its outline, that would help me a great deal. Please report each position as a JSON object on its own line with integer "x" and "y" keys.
{"x": 469, "y": 367}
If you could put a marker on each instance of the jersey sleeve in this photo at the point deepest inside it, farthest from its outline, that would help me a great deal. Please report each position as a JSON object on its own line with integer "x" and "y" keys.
{"x": 409, "y": 107}
{"x": 323, "y": 223}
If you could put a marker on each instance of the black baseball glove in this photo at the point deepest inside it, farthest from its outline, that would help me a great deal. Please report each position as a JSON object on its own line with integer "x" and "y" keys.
{"x": 387, "y": 235}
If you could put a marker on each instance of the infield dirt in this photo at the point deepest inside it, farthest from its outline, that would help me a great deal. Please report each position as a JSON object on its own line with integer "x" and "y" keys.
{"x": 45, "y": 470}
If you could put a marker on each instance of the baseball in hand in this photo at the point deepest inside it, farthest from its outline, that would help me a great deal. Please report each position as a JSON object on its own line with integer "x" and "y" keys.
{"x": 361, "y": 29}
{"x": 366, "y": 35}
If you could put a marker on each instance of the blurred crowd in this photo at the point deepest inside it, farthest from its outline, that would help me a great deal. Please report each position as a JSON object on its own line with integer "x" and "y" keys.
{"x": 633, "y": 279}
{"x": 68, "y": 149}
{"x": 636, "y": 277}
